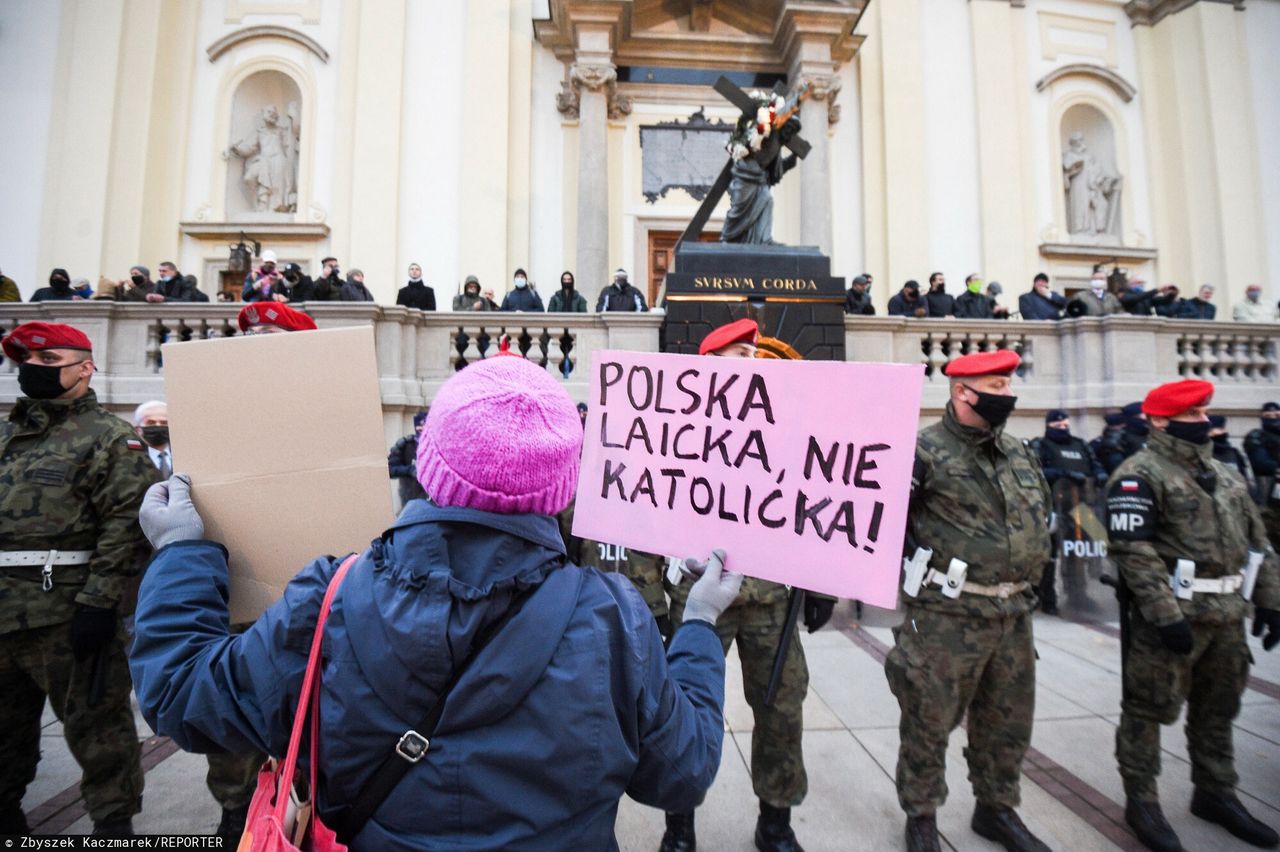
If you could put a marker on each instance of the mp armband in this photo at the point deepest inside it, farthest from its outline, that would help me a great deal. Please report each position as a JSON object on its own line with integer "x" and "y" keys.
{"x": 1131, "y": 510}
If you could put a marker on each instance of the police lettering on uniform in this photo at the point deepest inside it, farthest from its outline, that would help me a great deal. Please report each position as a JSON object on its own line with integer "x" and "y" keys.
{"x": 978, "y": 538}
{"x": 72, "y": 476}
{"x": 755, "y": 621}
{"x": 1071, "y": 470}
{"x": 1192, "y": 551}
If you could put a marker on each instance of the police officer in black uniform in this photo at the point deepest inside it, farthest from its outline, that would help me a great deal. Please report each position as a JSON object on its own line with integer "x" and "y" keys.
{"x": 1223, "y": 451}
{"x": 1118, "y": 446}
{"x": 1064, "y": 459}
{"x": 1262, "y": 446}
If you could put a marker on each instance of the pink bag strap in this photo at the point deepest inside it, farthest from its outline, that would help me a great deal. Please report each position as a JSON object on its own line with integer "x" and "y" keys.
{"x": 308, "y": 698}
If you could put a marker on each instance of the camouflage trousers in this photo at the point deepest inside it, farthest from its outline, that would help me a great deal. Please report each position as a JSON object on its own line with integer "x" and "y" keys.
{"x": 1210, "y": 680}
{"x": 777, "y": 759}
{"x": 944, "y": 666}
{"x": 38, "y": 663}
{"x": 232, "y": 778}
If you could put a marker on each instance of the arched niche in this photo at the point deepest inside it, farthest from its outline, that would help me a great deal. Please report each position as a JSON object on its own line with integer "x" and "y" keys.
{"x": 263, "y": 149}
{"x": 1092, "y": 179}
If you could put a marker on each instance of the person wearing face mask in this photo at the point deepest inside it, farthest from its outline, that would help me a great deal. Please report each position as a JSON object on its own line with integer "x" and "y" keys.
{"x": 907, "y": 302}
{"x": 470, "y": 299}
{"x": 172, "y": 286}
{"x": 151, "y": 422}
{"x": 979, "y": 511}
{"x": 941, "y": 303}
{"x": 59, "y": 289}
{"x": 138, "y": 287}
{"x": 72, "y": 478}
{"x": 402, "y": 462}
{"x": 1182, "y": 531}
{"x": 973, "y": 303}
{"x": 522, "y": 297}
{"x": 756, "y": 621}
{"x": 1262, "y": 446}
{"x": 1253, "y": 309}
{"x": 355, "y": 290}
{"x": 567, "y": 299}
{"x": 416, "y": 294}
{"x": 857, "y": 301}
{"x": 1120, "y": 445}
{"x": 1140, "y": 301}
{"x": 1096, "y": 301}
{"x": 1071, "y": 470}
{"x": 1222, "y": 449}
{"x": 620, "y": 295}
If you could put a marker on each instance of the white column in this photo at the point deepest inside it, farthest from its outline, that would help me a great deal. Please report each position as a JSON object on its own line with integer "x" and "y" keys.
{"x": 817, "y": 113}
{"x": 593, "y": 84}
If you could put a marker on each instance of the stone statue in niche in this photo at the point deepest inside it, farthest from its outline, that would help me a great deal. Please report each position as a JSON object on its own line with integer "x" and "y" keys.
{"x": 1093, "y": 192}
{"x": 270, "y": 154}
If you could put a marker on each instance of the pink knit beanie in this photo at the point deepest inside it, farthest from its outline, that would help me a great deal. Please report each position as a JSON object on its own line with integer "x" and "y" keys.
{"x": 503, "y": 436}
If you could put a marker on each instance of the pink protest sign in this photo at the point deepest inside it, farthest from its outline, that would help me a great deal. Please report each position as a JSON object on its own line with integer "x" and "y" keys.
{"x": 801, "y": 471}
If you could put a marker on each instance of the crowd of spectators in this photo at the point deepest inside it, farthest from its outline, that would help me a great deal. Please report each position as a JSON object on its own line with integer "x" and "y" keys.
{"x": 270, "y": 281}
{"x": 1042, "y": 302}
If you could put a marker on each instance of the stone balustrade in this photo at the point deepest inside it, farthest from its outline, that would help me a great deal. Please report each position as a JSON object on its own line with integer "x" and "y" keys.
{"x": 1086, "y": 366}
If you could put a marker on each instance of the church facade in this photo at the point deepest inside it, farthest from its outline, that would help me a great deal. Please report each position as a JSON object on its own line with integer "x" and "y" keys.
{"x": 998, "y": 137}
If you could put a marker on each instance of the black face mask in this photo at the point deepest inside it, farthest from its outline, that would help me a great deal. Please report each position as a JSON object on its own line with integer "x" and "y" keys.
{"x": 1058, "y": 436}
{"x": 1137, "y": 427}
{"x": 1271, "y": 425}
{"x": 156, "y": 436}
{"x": 137, "y": 279}
{"x": 1195, "y": 433}
{"x": 40, "y": 381}
{"x": 992, "y": 407}
{"x": 568, "y": 285}
{"x": 1221, "y": 440}
{"x": 59, "y": 283}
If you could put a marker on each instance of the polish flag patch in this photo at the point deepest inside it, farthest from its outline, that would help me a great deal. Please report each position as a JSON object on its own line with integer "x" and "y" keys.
{"x": 1128, "y": 485}
{"x": 134, "y": 444}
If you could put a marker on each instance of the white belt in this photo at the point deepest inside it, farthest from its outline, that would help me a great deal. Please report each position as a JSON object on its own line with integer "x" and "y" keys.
{"x": 1218, "y": 585}
{"x": 1004, "y": 591}
{"x": 46, "y": 559}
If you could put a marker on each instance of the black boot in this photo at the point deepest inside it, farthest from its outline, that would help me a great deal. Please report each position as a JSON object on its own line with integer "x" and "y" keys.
{"x": 679, "y": 836}
{"x": 922, "y": 834}
{"x": 231, "y": 826}
{"x": 773, "y": 830}
{"x": 1227, "y": 812}
{"x": 1148, "y": 822}
{"x": 114, "y": 828}
{"x": 12, "y": 820}
{"x": 1003, "y": 826}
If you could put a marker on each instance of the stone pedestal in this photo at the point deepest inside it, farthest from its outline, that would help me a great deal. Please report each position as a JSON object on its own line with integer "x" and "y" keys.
{"x": 788, "y": 290}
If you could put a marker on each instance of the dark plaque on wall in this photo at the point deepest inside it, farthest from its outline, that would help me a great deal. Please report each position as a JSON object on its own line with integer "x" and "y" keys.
{"x": 684, "y": 155}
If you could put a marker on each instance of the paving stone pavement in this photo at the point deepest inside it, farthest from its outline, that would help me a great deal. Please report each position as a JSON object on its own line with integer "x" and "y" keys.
{"x": 1072, "y": 796}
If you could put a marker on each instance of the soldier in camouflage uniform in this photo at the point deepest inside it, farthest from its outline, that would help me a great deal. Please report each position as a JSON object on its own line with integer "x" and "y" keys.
{"x": 977, "y": 496}
{"x": 1172, "y": 502}
{"x": 72, "y": 477}
{"x": 755, "y": 621}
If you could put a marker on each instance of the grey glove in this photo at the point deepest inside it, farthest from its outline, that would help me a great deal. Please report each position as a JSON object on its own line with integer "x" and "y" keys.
{"x": 168, "y": 515}
{"x": 715, "y": 590}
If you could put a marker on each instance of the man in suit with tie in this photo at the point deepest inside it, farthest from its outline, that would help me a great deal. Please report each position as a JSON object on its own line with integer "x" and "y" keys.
{"x": 151, "y": 422}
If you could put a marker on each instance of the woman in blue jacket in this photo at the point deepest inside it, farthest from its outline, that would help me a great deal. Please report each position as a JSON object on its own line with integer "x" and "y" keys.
{"x": 571, "y": 704}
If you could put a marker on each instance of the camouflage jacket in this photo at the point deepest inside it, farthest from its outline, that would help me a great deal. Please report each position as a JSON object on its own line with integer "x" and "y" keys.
{"x": 72, "y": 476}
{"x": 644, "y": 570}
{"x": 1157, "y": 513}
{"x": 978, "y": 495}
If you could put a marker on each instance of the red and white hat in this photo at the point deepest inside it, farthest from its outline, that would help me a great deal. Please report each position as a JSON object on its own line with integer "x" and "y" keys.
{"x": 274, "y": 313}
{"x": 741, "y": 331}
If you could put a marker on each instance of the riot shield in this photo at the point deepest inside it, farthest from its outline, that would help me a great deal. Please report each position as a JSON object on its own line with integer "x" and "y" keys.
{"x": 1080, "y": 549}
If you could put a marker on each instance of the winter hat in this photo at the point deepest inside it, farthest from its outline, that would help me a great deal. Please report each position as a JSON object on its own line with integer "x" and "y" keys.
{"x": 419, "y": 419}
{"x": 503, "y": 436}
{"x": 1053, "y": 415}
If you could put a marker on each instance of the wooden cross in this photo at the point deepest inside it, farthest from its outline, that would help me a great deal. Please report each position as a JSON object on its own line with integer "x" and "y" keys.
{"x": 747, "y": 104}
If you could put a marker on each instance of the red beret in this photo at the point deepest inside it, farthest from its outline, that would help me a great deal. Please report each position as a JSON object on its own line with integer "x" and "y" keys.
{"x": 1002, "y": 362}
{"x": 740, "y": 331}
{"x": 37, "y": 336}
{"x": 274, "y": 313}
{"x": 1172, "y": 399}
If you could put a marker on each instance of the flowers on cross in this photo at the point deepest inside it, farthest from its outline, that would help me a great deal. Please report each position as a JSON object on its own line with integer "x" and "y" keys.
{"x": 748, "y": 136}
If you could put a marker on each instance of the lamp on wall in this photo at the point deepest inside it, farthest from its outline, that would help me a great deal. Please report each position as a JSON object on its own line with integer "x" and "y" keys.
{"x": 240, "y": 260}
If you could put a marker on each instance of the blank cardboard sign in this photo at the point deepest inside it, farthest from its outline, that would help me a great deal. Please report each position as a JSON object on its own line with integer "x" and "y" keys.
{"x": 282, "y": 436}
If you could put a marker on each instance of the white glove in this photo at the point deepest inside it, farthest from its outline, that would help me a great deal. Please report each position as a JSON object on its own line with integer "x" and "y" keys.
{"x": 715, "y": 590}
{"x": 168, "y": 515}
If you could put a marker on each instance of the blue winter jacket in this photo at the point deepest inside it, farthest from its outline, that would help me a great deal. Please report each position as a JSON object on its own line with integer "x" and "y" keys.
{"x": 572, "y": 704}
